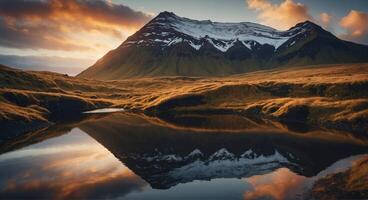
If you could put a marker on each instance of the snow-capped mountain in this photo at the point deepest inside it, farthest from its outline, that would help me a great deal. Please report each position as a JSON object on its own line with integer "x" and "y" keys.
{"x": 168, "y": 29}
{"x": 165, "y": 156}
{"x": 173, "y": 45}
{"x": 164, "y": 171}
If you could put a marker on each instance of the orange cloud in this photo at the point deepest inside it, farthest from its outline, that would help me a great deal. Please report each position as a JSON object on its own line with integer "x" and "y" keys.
{"x": 325, "y": 19}
{"x": 356, "y": 24}
{"x": 75, "y": 171}
{"x": 281, "y": 16}
{"x": 53, "y": 24}
{"x": 281, "y": 184}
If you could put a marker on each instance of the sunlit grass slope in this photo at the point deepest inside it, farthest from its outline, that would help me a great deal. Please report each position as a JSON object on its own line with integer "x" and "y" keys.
{"x": 333, "y": 96}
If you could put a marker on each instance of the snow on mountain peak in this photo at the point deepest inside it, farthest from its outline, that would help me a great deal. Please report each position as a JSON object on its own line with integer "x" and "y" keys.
{"x": 168, "y": 29}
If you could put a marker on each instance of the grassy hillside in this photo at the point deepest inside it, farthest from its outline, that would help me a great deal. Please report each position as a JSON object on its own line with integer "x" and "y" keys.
{"x": 31, "y": 100}
{"x": 332, "y": 96}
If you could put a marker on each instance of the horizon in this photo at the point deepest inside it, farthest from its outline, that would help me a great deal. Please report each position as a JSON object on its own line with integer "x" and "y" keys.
{"x": 66, "y": 45}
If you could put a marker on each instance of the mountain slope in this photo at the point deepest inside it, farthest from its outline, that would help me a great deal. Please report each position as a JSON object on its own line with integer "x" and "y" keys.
{"x": 170, "y": 45}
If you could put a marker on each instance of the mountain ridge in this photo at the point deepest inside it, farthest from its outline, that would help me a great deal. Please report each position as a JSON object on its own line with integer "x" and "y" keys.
{"x": 170, "y": 45}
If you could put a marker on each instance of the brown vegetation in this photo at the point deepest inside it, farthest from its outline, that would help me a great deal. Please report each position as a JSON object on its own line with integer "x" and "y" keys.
{"x": 333, "y": 96}
{"x": 350, "y": 184}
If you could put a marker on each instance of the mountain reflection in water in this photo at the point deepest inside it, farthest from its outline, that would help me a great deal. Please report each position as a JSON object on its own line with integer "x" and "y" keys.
{"x": 133, "y": 156}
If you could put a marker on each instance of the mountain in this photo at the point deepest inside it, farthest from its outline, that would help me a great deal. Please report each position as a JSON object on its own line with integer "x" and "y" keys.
{"x": 165, "y": 156}
{"x": 170, "y": 45}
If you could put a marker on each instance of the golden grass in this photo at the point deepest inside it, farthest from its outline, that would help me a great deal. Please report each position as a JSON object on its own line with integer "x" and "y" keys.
{"x": 12, "y": 112}
{"x": 328, "y": 94}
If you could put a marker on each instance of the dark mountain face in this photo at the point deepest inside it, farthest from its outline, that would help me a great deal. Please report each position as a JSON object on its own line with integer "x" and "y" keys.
{"x": 170, "y": 45}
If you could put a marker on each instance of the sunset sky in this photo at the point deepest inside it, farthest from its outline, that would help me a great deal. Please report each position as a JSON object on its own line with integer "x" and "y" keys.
{"x": 69, "y": 35}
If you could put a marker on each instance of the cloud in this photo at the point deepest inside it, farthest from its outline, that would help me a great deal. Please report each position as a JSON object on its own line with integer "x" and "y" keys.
{"x": 36, "y": 36}
{"x": 281, "y": 16}
{"x": 356, "y": 25}
{"x": 281, "y": 184}
{"x": 71, "y": 168}
{"x": 65, "y": 65}
{"x": 56, "y": 24}
{"x": 325, "y": 19}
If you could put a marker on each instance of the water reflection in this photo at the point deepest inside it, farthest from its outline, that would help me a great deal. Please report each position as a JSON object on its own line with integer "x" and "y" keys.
{"x": 284, "y": 184}
{"x": 165, "y": 157}
{"x": 132, "y": 156}
{"x": 70, "y": 166}
{"x": 280, "y": 184}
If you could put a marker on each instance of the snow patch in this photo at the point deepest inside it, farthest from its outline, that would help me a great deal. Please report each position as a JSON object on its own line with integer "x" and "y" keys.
{"x": 195, "y": 46}
{"x": 226, "y": 31}
{"x": 222, "y": 154}
{"x": 171, "y": 29}
{"x": 194, "y": 153}
{"x": 160, "y": 157}
{"x": 292, "y": 43}
{"x": 175, "y": 41}
{"x": 228, "y": 167}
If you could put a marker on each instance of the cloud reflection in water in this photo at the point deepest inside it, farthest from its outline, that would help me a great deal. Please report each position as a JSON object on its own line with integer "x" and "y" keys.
{"x": 60, "y": 169}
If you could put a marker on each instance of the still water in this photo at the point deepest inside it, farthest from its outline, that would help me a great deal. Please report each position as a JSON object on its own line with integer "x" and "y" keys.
{"x": 128, "y": 156}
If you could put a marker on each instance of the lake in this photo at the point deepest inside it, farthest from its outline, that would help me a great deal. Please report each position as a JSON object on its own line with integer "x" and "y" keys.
{"x": 133, "y": 156}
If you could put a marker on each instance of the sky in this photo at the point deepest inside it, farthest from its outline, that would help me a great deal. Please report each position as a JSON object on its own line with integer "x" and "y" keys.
{"x": 67, "y": 36}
